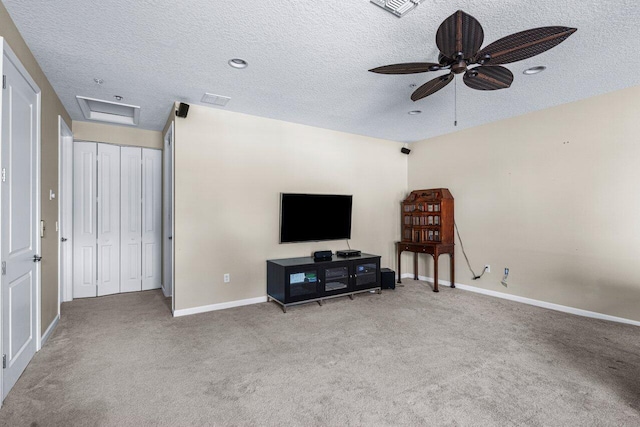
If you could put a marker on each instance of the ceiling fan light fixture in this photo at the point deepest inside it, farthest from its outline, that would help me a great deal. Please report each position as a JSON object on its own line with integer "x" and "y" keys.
{"x": 238, "y": 63}
{"x": 459, "y": 39}
{"x": 534, "y": 70}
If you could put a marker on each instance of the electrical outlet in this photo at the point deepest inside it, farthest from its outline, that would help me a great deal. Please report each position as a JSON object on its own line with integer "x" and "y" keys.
{"x": 487, "y": 268}
{"x": 227, "y": 278}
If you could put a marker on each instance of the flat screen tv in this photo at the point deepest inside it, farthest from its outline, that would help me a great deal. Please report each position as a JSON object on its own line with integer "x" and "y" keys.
{"x": 314, "y": 217}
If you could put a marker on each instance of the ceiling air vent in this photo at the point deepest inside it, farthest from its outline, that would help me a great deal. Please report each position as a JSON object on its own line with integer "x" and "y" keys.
{"x": 110, "y": 112}
{"x": 397, "y": 7}
{"x": 219, "y": 100}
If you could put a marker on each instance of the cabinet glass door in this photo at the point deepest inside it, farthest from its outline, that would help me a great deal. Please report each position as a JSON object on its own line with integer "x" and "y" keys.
{"x": 302, "y": 285}
{"x": 336, "y": 279}
{"x": 367, "y": 275}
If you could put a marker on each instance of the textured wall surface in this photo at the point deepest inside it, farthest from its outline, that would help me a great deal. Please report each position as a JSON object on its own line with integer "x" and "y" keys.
{"x": 230, "y": 169}
{"x": 553, "y": 195}
{"x": 51, "y": 108}
{"x": 120, "y": 135}
{"x": 308, "y": 61}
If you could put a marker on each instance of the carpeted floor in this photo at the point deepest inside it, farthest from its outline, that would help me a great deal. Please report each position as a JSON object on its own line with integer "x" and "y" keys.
{"x": 406, "y": 357}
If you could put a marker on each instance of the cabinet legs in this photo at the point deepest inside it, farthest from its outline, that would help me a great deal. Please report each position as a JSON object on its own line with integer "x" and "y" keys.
{"x": 452, "y": 274}
{"x": 399, "y": 264}
{"x": 435, "y": 272}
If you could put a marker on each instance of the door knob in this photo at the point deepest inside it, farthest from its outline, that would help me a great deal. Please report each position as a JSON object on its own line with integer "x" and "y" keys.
{"x": 37, "y": 258}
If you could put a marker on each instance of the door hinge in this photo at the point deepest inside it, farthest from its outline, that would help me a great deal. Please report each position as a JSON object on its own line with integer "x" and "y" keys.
{"x": 4, "y": 361}
{"x": 4, "y": 174}
{"x": 4, "y": 81}
{"x": 4, "y": 268}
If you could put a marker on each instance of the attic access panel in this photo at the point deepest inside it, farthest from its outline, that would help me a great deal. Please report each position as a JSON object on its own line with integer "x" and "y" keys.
{"x": 109, "y": 112}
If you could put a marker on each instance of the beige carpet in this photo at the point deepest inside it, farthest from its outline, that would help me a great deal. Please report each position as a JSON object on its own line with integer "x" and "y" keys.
{"x": 406, "y": 357}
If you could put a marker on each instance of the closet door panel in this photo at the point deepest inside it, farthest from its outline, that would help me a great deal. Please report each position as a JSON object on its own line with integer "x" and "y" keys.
{"x": 84, "y": 219}
{"x": 131, "y": 219}
{"x": 151, "y": 219}
{"x": 108, "y": 219}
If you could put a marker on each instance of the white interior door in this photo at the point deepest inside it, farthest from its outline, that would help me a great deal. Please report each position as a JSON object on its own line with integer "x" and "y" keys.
{"x": 151, "y": 219}
{"x": 108, "y": 219}
{"x": 85, "y": 230}
{"x": 65, "y": 210}
{"x": 167, "y": 273}
{"x": 131, "y": 219}
{"x": 20, "y": 220}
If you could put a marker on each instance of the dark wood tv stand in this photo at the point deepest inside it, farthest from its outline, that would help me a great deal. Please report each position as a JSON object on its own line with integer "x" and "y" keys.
{"x": 293, "y": 281}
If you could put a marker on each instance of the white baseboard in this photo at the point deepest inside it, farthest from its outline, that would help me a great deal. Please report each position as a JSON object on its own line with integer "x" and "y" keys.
{"x": 165, "y": 293}
{"x": 221, "y": 306}
{"x": 530, "y": 301}
{"x": 49, "y": 331}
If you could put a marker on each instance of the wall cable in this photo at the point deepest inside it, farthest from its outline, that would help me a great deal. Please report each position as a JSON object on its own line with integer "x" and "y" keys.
{"x": 475, "y": 276}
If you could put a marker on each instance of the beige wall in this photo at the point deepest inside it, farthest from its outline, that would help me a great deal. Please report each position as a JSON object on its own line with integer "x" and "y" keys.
{"x": 51, "y": 108}
{"x": 553, "y": 195}
{"x": 230, "y": 169}
{"x": 121, "y": 135}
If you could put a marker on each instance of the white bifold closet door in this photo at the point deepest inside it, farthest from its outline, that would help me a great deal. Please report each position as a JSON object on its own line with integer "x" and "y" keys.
{"x": 141, "y": 224}
{"x": 131, "y": 223}
{"x": 85, "y": 276}
{"x": 108, "y": 219}
{"x": 117, "y": 212}
{"x": 151, "y": 219}
{"x": 96, "y": 213}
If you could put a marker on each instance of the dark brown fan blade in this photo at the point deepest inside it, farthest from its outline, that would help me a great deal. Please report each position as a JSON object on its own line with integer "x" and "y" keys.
{"x": 524, "y": 44}
{"x": 488, "y": 78}
{"x": 408, "y": 68}
{"x": 431, "y": 87}
{"x": 459, "y": 33}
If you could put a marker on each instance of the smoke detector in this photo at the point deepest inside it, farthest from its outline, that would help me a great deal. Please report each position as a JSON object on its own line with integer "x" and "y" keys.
{"x": 219, "y": 100}
{"x": 398, "y": 7}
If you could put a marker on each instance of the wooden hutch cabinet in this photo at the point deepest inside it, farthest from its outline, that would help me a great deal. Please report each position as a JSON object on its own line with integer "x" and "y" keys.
{"x": 427, "y": 227}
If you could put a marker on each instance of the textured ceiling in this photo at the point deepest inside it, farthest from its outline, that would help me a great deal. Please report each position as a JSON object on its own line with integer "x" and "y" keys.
{"x": 308, "y": 61}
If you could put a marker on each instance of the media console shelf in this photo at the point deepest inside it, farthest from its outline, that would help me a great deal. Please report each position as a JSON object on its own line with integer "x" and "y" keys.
{"x": 293, "y": 281}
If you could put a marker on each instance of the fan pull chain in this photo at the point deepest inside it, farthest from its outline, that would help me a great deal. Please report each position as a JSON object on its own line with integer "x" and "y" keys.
{"x": 455, "y": 102}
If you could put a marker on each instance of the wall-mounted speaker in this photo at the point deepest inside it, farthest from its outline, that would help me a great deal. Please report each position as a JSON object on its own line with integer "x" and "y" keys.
{"x": 183, "y": 110}
{"x": 405, "y": 150}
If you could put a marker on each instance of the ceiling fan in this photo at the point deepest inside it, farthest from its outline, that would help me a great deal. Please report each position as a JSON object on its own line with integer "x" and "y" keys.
{"x": 459, "y": 39}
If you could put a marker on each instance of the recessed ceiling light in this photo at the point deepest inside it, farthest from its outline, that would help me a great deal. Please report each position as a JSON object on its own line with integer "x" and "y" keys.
{"x": 98, "y": 81}
{"x": 534, "y": 70}
{"x": 238, "y": 63}
{"x": 415, "y": 112}
{"x": 117, "y": 97}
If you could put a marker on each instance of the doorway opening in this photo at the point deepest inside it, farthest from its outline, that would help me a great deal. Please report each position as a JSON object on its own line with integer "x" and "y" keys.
{"x": 168, "y": 212}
